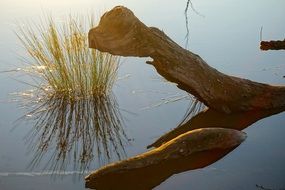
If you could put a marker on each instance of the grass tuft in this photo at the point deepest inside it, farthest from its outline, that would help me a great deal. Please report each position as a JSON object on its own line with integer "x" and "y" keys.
{"x": 62, "y": 60}
{"x": 72, "y": 106}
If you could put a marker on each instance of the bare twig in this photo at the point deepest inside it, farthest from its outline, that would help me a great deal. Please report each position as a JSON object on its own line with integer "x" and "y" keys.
{"x": 189, "y": 3}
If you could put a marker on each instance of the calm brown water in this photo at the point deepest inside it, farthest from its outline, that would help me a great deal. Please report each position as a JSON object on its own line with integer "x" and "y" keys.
{"x": 227, "y": 37}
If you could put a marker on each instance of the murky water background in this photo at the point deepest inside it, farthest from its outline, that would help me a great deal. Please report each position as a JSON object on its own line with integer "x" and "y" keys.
{"x": 226, "y": 36}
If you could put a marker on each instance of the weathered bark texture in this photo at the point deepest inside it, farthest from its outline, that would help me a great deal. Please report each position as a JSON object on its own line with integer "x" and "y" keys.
{"x": 191, "y": 147}
{"x": 272, "y": 45}
{"x": 120, "y": 32}
{"x": 211, "y": 118}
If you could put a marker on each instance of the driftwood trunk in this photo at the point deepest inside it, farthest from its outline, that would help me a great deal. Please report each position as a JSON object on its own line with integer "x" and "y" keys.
{"x": 120, "y": 32}
{"x": 146, "y": 178}
{"x": 272, "y": 45}
{"x": 189, "y": 151}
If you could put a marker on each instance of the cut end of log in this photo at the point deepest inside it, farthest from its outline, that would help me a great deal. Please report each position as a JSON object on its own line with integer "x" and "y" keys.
{"x": 119, "y": 33}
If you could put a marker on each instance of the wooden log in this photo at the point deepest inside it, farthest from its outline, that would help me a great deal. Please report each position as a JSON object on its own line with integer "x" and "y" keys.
{"x": 272, "y": 45}
{"x": 191, "y": 150}
{"x": 147, "y": 178}
{"x": 120, "y": 32}
{"x": 210, "y": 118}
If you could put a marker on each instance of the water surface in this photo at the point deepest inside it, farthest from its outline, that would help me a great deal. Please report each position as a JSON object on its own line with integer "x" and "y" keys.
{"x": 227, "y": 37}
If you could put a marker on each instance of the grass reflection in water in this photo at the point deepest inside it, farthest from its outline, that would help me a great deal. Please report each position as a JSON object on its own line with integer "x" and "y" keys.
{"x": 64, "y": 130}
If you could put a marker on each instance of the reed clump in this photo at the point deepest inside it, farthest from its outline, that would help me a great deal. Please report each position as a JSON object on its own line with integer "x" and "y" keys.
{"x": 72, "y": 107}
{"x": 60, "y": 57}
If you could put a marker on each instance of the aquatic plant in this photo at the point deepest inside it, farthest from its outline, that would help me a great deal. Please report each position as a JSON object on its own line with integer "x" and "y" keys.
{"x": 60, "y": 57}
{"x": 72, "y": 109}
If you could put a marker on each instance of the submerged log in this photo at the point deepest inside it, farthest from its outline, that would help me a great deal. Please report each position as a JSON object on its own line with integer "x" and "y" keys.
{"x": 272, "y": 45}
{"x": 210, "y": 118}
{"x": 147, "y": 178}
{"x": 120, "y": 32}
{"x": 191, "y": 150}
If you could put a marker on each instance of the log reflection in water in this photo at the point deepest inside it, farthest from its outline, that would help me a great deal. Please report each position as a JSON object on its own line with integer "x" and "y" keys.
{"x": 68, "y": 130}
{"x": 210, "y": 118}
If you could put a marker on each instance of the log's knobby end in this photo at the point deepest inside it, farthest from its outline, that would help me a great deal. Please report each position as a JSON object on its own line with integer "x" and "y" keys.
{"x": 120, "y": 32}
{"x": 205, "y": 139}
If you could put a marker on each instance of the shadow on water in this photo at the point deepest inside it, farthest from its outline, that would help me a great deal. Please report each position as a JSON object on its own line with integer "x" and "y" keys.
{"x": 210, "y": 118}
{"x": 75, "y": 132}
